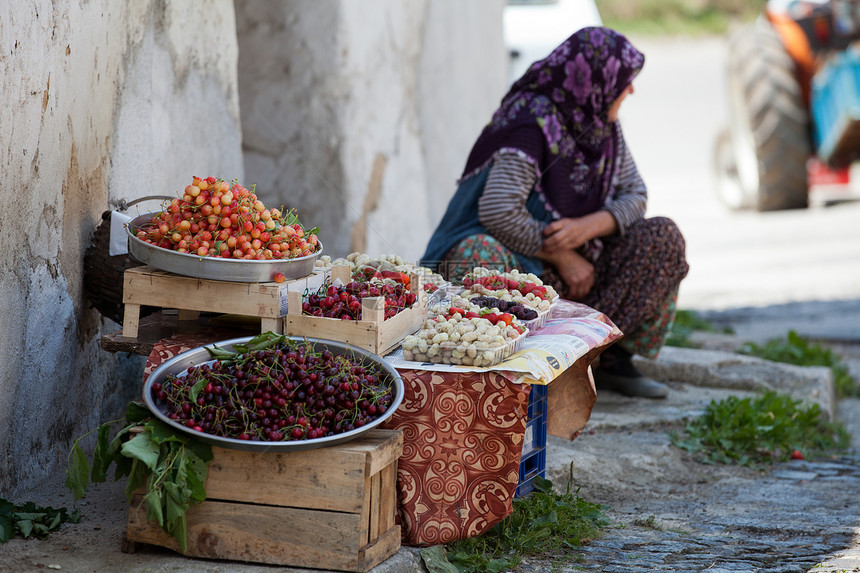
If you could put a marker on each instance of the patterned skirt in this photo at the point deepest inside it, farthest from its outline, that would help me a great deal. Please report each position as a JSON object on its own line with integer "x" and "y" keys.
{"x": 636, "y": 278}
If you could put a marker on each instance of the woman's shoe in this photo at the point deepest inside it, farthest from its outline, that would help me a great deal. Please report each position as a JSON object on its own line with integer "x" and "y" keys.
{"x": 634, "y": 386}
{"x": 616, "y": 372}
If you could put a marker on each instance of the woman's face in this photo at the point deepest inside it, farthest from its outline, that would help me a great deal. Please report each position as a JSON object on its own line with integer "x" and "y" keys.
{"x": 616, "y": 105}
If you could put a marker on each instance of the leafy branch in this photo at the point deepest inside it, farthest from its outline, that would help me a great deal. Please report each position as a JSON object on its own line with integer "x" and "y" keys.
{"x": 171, "y": 468}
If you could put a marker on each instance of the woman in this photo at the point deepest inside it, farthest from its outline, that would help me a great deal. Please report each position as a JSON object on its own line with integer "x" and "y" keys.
{"x": 550, "y": 188}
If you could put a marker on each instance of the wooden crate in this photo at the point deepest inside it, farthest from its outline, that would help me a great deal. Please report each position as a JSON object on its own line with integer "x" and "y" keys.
{"x": 372, "y": 332}
{"x": 328, "y": 508}
{"x": 148, "y": 286}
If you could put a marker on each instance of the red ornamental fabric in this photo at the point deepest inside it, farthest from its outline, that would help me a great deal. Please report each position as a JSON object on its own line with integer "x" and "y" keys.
{"x": 463, "y": 436}
{"x": 173, "y": 346}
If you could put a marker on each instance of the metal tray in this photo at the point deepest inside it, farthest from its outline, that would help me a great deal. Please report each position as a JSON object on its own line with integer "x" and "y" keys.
{"x": 195, "y": 357}
{"x": 213, "y": 267}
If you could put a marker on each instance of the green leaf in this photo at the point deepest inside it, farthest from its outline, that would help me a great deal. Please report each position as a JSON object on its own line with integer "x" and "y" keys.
{"x": 436, "y": 560}
{"x": 153, "y": 503}
{"x": 195, "y": 476}
{"x": 290, "y": 218}
{"x": 180, "y": 532}
{"x": 25, "y": 527}
{"x": 201, "y": 450}
{"x": 77, "y": 474}
{"x": 136, "y": 477}
{"x": 542, "y": 485}
{"x": 162, "y": 433}
{"x": 196, "y": 388}
{"x": 141, "y": 447}
{"x": 175, "y": 500}
{"x": 7, "y": 528}
{"x": 135, "y": 413}
{"x": 101, "y": 458}
{"x": 498, "y": 565}
{"x": 217, "y": 353}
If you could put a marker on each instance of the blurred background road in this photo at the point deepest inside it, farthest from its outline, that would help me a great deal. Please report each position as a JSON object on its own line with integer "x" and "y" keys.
{"x": 737, "y": 259}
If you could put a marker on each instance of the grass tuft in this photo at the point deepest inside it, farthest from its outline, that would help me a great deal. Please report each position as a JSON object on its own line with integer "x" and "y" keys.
{"x": 544, "y": 524}
{"x": 758, "y": 431}
{"x": 800, "y": 351}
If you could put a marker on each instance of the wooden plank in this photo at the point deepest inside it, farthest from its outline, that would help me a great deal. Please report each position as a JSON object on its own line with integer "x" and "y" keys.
{"x": 130, "y": 320}
{"x": 330, "y": 478}
{"x": 378, "y": 551}
{"x": 174, "y": 291}
{"x": 355, "y": 332}
{"x": 322, "y": 479}
{"x": 275, "y": 325}
{"x": 364, "y": 536}
{"x": 387, "y": 497}
{"x": 188, "y": 314}
{"x": 149, "y": 286}
{"x": 377, "y": 337}
{"x": 261, "y": 534}
{"x": 373, "y": 485}
{"x": 398, "y": 326}
{"x": 381, "y": 452}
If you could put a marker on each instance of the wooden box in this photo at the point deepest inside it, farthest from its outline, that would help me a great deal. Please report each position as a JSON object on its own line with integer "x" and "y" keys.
{"x": 148, "y": 286}
{"x": 327, "y": 508}
{"x": 372, "y": 332}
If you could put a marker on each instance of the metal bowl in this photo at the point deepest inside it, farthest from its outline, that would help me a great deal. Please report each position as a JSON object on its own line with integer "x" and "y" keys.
{"x": 236, "y": 270}
{"x": 198, "y": 356}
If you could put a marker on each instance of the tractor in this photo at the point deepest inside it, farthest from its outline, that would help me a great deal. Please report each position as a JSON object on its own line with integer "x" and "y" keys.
{"x": 793, "y": 79}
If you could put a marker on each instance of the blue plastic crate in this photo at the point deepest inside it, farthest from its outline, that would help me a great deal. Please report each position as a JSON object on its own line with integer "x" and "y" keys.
{"x": 533, "y": 458}
{"x": 530, "y": 468}
{"x": 835, "y": 107}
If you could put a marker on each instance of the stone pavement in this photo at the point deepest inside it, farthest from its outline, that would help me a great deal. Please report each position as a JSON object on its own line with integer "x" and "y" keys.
{"x": 673, "y": 514}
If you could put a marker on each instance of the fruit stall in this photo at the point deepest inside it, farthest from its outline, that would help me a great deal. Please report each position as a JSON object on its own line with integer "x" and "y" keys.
{"x": 364, "y": 400}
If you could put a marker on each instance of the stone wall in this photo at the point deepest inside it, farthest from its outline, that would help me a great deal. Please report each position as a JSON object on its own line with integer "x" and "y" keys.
{"x": 102, "y": 101}
{"x": 360, "y": 115}
{"x": 362, "y": 118}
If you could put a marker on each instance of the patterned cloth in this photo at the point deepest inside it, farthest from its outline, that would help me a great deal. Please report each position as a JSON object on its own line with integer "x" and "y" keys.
{"x": 636, "y": 278}
{"x": 462, "y": 441}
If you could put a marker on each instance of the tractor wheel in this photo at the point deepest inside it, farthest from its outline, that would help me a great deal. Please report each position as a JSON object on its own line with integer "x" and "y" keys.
{"x": 769, "y": 128}
{"x": 731, "y": 192}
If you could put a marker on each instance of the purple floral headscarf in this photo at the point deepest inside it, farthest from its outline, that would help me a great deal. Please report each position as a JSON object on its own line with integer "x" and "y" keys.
{"x": 568, "y": 95}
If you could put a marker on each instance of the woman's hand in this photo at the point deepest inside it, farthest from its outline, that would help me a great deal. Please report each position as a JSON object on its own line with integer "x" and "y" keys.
{"x": 570, "y": 233}
{"x": 575, "y": 270}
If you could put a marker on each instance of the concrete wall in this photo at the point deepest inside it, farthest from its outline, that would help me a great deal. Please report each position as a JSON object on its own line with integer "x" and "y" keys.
{"x": 358, "y": 114}
{"x": 364, "y": 118}
{"x": 102, "y": 101}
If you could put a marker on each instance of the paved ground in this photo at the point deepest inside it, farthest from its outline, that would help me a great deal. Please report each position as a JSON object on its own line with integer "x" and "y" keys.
{"x": 673, "y": 514}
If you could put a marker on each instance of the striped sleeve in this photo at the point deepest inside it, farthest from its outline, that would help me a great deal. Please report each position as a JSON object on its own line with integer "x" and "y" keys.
{"x": 631, "y": 196}
{"x": 502, "y": 207}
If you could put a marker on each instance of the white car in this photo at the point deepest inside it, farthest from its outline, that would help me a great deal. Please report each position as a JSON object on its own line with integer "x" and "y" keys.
{"x": 533, "y": 28}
